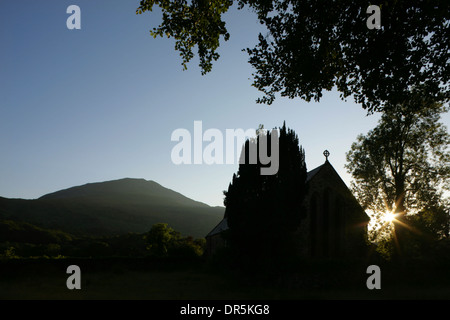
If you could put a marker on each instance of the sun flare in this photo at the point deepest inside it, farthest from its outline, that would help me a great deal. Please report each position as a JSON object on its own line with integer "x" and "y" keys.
{"x": 389, "y": 217}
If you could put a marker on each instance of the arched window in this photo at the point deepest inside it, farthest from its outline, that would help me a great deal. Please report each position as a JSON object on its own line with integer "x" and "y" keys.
{"x": 325, "y": 232}
{"x": 313, "y": 224}
{"x": 338, "y": 226}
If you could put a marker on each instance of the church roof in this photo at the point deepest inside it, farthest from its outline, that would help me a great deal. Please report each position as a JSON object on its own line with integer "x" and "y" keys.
{"x": 313, "y": 172}
{"x": 222, "y": 226}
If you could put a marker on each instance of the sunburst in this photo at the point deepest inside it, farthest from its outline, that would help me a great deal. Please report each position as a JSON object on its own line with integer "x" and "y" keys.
{"x": 389, "y": 217}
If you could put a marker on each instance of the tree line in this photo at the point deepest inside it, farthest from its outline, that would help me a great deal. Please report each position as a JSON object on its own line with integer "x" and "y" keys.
{"x": 23, "y": 240}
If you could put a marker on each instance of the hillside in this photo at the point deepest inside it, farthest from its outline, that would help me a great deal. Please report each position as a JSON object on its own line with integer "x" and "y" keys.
{"x": 114, "y": 207}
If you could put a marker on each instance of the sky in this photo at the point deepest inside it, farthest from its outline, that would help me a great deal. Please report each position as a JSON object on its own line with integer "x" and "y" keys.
{"x": 101, "y": 103}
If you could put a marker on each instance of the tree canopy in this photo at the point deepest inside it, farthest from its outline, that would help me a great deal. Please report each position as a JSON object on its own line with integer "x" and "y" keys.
{"x": 311, "y": 46}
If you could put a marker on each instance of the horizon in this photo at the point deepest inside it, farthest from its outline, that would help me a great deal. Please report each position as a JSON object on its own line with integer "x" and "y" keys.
{"x": 125, "y": 178}
{"x": 101, "y": 103}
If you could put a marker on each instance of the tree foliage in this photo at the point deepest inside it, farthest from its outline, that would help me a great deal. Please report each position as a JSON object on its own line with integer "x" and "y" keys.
{"x": 403, "y": 164}
{"x": 163, "y": 241}
{"x": 311, "y": 46}
{"x": 197, "y": 24}
{"x": 264, "y": 211}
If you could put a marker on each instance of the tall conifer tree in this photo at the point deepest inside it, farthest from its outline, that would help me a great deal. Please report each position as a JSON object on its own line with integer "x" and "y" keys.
{"x": 264, "y": 211}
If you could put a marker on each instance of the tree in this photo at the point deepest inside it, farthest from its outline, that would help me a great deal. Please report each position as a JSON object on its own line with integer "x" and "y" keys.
{"x": 311, "y": 46}
{"x": 160, "y": 238}
{"x": 402, "y": 166}
{"x": 264, "y": 211}
{"x": 163, "y": 241}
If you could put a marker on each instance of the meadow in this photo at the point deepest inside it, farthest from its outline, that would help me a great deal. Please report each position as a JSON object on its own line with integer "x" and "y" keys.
{"x": 143, "y": 279}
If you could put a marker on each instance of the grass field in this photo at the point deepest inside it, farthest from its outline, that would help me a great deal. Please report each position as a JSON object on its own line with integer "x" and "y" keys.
{"x": 141, "y": 280}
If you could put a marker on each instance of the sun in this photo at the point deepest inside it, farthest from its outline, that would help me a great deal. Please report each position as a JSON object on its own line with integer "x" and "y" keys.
{"x": 389, "y": 217}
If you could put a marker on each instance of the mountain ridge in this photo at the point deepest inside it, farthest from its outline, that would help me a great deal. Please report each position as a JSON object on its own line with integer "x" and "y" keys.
{"x": 114, "y": 207}
{"x": 138, "y": 186}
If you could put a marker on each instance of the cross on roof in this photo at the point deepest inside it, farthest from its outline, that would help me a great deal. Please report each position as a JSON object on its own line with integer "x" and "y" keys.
{"x": 326, "y": 153}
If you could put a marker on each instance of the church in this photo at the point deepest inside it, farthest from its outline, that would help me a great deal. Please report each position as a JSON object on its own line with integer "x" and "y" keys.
{"x": 335, "y": 225}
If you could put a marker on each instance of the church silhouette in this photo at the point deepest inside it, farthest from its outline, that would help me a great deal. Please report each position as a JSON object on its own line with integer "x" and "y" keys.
{"x": 335, "y": 224}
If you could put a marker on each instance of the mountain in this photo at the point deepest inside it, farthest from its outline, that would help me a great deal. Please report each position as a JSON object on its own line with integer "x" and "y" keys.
{"x": 114, "y": 207}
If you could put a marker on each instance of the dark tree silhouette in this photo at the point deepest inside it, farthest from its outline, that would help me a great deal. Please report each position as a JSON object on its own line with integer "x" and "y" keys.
{"x": 264, "y": 211}
{"x": 402, "y": 166}
{"x": 311, "y": 46}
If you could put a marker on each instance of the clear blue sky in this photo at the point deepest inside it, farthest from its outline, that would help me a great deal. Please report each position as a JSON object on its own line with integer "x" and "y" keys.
{"x": 101, "y": 103}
